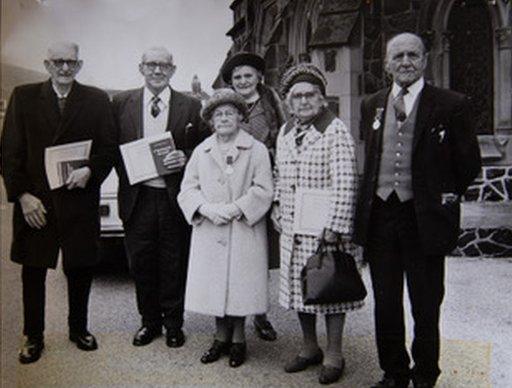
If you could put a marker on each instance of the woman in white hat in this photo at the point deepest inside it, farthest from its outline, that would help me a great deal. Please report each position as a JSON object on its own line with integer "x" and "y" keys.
{"x": 225, "y": 194}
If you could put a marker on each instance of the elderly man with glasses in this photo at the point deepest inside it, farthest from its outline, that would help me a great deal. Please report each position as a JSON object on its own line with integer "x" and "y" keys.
{"x": 157, "y": 237}
{"x": 56, "y": 112}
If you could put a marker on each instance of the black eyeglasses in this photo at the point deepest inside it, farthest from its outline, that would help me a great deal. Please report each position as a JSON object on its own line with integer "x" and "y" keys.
{"x": 71, "y": 63}
{"x": 165, "y": 66}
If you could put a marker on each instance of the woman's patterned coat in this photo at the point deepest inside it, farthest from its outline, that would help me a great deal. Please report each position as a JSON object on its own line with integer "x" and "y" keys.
{"x": 324, "y": 160}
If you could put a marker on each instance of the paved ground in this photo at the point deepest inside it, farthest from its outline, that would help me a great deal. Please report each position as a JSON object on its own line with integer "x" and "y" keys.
{"x": 476, "y": 331}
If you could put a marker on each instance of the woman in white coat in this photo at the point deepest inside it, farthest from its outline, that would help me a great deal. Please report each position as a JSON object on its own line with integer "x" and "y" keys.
{"x": 314, "y": 151}
{"x": 225, "y": 193}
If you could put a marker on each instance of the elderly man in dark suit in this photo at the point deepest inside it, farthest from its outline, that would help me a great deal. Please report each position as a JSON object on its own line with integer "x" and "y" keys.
{"x": 55, "y": 112}
{"x": 421, "y": 155}
{"x": 157, "y": 237}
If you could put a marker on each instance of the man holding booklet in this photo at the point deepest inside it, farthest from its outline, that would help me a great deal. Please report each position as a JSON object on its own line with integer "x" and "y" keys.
{"x": 158, "y": 129}
{"x": 57, "y": 146}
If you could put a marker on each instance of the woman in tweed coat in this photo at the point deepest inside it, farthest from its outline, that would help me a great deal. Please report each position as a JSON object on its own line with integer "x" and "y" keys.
{"x": 316, "y": 151}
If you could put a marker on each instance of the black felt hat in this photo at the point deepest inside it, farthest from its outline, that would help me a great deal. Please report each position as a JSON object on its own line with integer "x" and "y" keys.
{"x": 241, "y": 59}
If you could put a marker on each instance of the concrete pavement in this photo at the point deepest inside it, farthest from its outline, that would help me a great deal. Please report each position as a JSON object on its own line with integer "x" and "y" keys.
{"x": 476, "y": 337}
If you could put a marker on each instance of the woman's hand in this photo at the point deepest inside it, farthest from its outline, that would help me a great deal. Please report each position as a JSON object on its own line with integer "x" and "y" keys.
{"x": 214, "y": 213}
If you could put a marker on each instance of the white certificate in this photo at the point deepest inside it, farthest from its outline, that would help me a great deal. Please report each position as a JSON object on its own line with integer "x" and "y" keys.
{"x": 311, "y": 210}
{"x": 61, "y": 160}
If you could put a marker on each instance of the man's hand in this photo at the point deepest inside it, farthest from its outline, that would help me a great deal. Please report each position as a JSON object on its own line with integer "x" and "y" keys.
{"x": 78, "y": 178}
{"x": 175, "y": 160}
{"x": 275, "y": 216}
{"x": 33, "y": 210}
{"x": 213, "y": 212}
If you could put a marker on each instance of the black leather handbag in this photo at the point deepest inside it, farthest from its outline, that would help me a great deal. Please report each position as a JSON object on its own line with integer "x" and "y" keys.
{"x": 331, "y": 276}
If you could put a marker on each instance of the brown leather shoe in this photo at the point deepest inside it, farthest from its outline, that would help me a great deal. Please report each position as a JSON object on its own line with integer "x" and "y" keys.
{"x": 299, "y": 363}
{"x": 31, "y": 350}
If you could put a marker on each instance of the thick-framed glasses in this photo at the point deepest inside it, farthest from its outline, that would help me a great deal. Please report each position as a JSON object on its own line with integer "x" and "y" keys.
{"x": 164, "y": 66}
{"x": 71, "y": 63}
{"x": 307, "y": 95}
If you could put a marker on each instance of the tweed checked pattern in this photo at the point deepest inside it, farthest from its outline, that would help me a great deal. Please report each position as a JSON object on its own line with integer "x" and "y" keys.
{"x": 324, "y": 160}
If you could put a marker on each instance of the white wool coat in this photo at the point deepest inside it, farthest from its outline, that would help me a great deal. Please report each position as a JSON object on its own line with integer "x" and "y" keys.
{"x": 227, "y": 271}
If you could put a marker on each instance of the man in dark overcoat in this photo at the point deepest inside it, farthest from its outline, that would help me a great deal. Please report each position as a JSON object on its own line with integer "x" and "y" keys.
{"x": 421, "y": 155}
{"x": 58, "y": 111}
{"x": 157, "y": 237}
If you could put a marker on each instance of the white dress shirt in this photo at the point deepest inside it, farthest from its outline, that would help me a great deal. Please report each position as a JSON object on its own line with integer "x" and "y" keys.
{"x": 155, "y": 125}
{"x": 413, "y": 92}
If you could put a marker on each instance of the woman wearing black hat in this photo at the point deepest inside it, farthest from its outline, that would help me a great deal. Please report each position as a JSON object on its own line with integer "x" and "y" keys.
{"x": 314, "y": 154}
{"x": 244, "y": 72}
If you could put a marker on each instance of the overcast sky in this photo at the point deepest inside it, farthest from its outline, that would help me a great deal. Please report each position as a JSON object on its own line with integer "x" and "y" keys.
{"x": 112, "y": 34}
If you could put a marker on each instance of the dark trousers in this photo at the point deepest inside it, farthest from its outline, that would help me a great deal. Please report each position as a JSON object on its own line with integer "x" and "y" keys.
{"x": 394, "y": 249}
{"x": 34, "y": 287}
{"x": 157, "y": 241}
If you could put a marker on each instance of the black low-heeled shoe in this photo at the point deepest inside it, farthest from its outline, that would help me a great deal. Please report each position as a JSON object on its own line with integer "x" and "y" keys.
{"x": 31, "y": 350}
{"x": 330, "y": 374}
{"x": 299, "y": 363}
{"x": 264, "y": 330}
{"x": 213, "y": 354}
{"x": 237, "y": 353}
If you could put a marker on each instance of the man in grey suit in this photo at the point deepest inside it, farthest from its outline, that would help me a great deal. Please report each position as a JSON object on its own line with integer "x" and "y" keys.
{"x": 157, "y": 236}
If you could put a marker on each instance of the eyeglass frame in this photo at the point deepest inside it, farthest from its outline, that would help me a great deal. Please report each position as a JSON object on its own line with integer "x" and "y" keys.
{"x": 164, "y": 66}
{"x": 60, "y": 62}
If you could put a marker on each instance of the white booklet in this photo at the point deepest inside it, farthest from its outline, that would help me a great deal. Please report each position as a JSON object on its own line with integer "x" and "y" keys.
{"x": 143, "y": 158}
{"x": 311, "y": 210}
{"x": 61, "y": 160}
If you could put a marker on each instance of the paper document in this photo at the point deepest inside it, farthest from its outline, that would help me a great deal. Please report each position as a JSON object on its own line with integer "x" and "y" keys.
{"x": 311, "y": 210}
{"x": 143, "y": 158}
{"x": 61, "y": 160}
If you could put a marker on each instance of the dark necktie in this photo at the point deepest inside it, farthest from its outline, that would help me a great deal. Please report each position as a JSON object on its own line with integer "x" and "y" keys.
{"x": 155, "y": 109}
{"x": 302, "y": 131}
{"x": 399, "y": 105}
{"x": 62, "y": 104}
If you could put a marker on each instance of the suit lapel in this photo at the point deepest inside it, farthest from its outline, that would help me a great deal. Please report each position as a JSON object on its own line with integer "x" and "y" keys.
{"x": 375, "y": 135}
{"x": 74, "y": 103}
{"x": 136, "y": 114}
{"x": 50, "y": 109}
{"x": 425, "y": 108}
{"x": 175, "y": 106}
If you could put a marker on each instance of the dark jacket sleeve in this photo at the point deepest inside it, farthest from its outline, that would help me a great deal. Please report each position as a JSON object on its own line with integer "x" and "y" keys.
{"x": 103, "y": 153}
{"x": 465, "y": 149}
{"x": 13, "y": 145}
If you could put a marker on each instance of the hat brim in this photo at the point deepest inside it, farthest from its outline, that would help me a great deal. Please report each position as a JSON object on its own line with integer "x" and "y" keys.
{"x": 241, "y": 59}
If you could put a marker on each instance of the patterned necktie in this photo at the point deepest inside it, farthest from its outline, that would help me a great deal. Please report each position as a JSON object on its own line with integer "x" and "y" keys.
{"x": 62, "y": 104}
{"x": 399, "y": 105}
{"x": 155, "y": 109}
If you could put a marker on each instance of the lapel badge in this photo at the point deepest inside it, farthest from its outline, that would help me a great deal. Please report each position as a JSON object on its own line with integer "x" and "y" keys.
{"x": 377, "y": 120}
{"x": 441, "y": 135}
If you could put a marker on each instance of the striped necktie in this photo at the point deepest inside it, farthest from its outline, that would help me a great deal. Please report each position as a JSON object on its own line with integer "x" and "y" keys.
{"x": 155, "y": 109}
{"x": 399, "y": 105}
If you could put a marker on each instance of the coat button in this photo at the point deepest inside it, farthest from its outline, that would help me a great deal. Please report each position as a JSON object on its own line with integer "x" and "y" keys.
{"x": 297, "y": 240}
{"x": 292, "y": 187}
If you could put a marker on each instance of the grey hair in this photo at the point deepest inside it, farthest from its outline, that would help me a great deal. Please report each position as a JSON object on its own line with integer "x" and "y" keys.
{"x": 158, "y": 49}
{"x": 404, "y": 35}
{"x": 55, "y": 45}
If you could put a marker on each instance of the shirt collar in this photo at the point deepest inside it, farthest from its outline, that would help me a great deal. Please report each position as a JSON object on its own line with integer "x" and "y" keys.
{"x": 59, "y": 94}
{"x": 413, "y": 89}
{"x": 165, "y": 96}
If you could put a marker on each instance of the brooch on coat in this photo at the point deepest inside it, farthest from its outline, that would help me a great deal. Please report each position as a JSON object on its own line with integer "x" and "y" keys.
{"x": 377, "y": 120}
{"x": 229, "y": 162}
